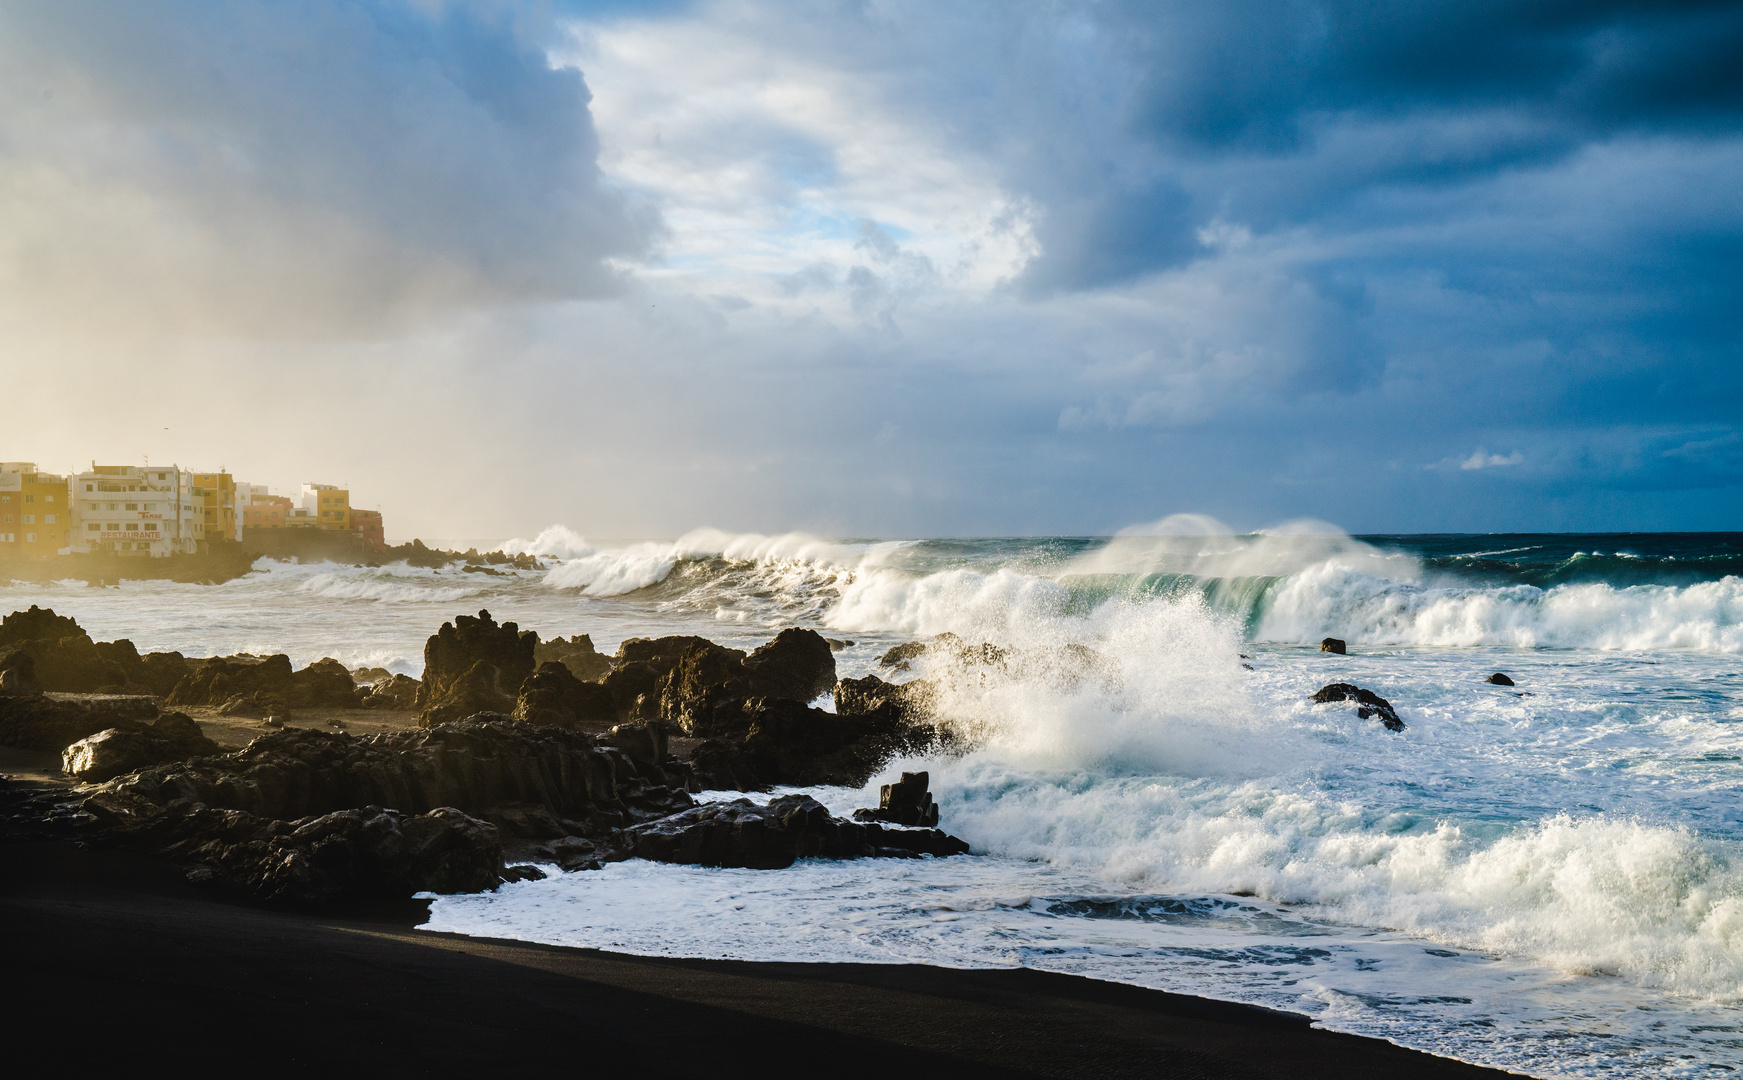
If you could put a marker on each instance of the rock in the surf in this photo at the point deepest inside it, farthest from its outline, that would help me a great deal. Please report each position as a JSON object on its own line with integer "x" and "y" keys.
{"x": 1368, "y": 703}
{"x": 1499, "y": 679}
{"x": 797, "y": 665}
{"x": 905, "y": 802}
{"x": 772, "y": 836}
{"x": 1333, "y": 645}
{"x": 553, "y": 695}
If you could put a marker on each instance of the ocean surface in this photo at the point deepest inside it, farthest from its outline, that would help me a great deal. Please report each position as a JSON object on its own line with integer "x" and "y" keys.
{"x": 1546, "y": 877}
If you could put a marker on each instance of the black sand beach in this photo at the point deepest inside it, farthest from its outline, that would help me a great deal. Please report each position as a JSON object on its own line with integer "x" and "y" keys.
{"x": 115, "y": 961}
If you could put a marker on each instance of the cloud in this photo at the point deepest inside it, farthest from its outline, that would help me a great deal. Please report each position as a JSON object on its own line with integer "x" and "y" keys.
{"x": 322, "y": 168}
{"x": 1481, "y": 460}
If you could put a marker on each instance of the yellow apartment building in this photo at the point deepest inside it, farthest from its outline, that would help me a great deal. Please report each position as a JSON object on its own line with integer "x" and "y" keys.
{"x": 34, "y": 518}
{"x": 330, "y": 506}
{"x": 214, "y": 498}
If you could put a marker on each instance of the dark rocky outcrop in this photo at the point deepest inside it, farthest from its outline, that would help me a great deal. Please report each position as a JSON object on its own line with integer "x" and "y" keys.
{"x": 1499, "y": 679}
{"x": 364, "y": 853}
{"x": 905, "y": 802}
{"x": 797, "y": 665}
{"x": 472, "y": 665}
{"x": 870, "y": 696}
{"x": 775, "y": 741}
{"x": 575, "y": 653}
{"x": 62, "y": 658}
{"x": 1333, "y": 645}
{"x": 37, "y": 624}
{"x": 217, "y": 681}
{"x": 704, "y": 691}
{"x": 478, "y": 765}
{"x": 52, "y": 722}
{"x": 114, "y": 751}
{"x": 772, "y": 836}
{"x": 553, "y": 695}
{"x": 1368, "y": 703}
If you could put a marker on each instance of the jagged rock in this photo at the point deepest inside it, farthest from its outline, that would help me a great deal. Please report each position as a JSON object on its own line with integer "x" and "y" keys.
{"x": 214, "y": 682}
{"x": 577, "y": 654}
{"x": 553, "y": 695}
{"x": 37, "y": 624}
{"x": 393, "y": 692}
{"x": 159, "y": 672}
{"x": 571, "y": 853}
{"x": 361, "y": 853}
{"x": 52, "y": 722}
{"x": 635, "y": 690}
{"x": 871, "y": 696}
{"x": 786, "y": 742}
{"x": 255, "y": 704}
{"x": 704, "y": 690}
{"x": 115, "y": 751}
{"x": 905, "y": 802}
{"x": 769, "y": 837}
{"x": 370, "y": 676}
{"x": 837, "y": 644}
{"x": 72, "y": 665}
{"x": 473, "y": 665}
{"x": 1333, "y": 645}
{"x": 1499, "y": 679}
{"x": 797, "y": 665}
{"x": 899, "y": 656}
{"x": 475, "y": 765}
{"x": 662, "y": 652}
{"x": 1368, "y": 703}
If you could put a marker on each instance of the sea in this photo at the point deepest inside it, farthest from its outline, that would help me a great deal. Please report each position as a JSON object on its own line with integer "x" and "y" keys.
{"x": 1545, "y": 877}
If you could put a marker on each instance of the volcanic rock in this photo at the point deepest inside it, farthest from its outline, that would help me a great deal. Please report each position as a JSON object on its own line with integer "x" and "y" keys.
{"x": 473, "y": 665}
{"x": 1499, "y": 679}
{"x": 786, "y": 742}
{"x": 575, "y": 653}
{"x": 115, "y": 751}
{"x": 1333, "y": 645}
{"x": 553, "y": 695}
{"x": 1368, "y": 703}
{"x": 769, "y": 837}
{"x": 393, "y": 692}
{"x": 51, "y": 722}
{"x": 905, "y": 802}
{"x": 703, "y": 693}
{"x": 797, "y": 665}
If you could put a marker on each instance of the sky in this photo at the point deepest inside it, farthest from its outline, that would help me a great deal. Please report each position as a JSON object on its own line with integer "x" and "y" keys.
{"x": 887, "y": 268}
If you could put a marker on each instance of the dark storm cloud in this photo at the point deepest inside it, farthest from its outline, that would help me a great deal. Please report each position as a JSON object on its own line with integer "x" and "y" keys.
{"x": 325, "y": 166}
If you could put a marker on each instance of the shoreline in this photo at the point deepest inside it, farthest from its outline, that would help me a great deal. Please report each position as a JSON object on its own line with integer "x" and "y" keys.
{"x": 125, "y": 959}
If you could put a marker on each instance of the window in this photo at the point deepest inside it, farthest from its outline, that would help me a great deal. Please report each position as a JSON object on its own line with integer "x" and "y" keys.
{"x": 113, "y": 527}
{"x": 151, "y": 506}
{"x": 8, "y": 538}
{"x": 93, "y": 527}
{"x": 30, "y": 498}
{"x": 89, "y": 487}
{"x": 48, "y": 498}
{"x": 133, "y": 526}
{"x": 151, "y": 526}
{"x": 48, "y": 519}
{"x": 30, "y": 538}
{"x": 132, "y": 506}
{"x": 30, "y": 519}
{"x": 8, "y": 519}
{"x": 5, "y": 498}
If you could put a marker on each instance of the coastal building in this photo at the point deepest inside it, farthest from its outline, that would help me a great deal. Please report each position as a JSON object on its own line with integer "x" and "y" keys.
{"x": 145, "y": 511}
{"x": 214, "y": 495}
{"x": 329, "y": 506}
{"x": 34, "y": 515}
{"x": 368, "y": 525}
{"x": 265, "y": 511}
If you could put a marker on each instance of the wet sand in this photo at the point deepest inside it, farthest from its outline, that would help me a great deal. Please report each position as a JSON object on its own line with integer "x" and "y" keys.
{"x": 115, "y": 960}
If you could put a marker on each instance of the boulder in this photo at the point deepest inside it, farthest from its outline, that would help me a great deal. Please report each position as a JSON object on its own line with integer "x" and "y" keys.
{"x": 870, "y": 696}
{"x": 326, "y": 683}
{"x": 393, "y": 692}
{"x": 905, "y": 802}
{"x": 1499, "y": 679}
{"x": 797, "y": 665}
{"x": 575, "y": 653}
{"x": 772, "y": 836}
{"x": 785, "y": 742}
{"x": 159, "y": 672}
{"x": 473, "y": 665}
{"x": 116, "y": 751}
{"x": 1333, "y": 645}
{"x": 634, "y": 687}
{"x": 553, "y": 695}
{"x": 1368, "y": 703}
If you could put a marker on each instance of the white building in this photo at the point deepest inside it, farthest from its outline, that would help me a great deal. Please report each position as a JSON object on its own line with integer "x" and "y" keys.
{"x": 136, "y": 510}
